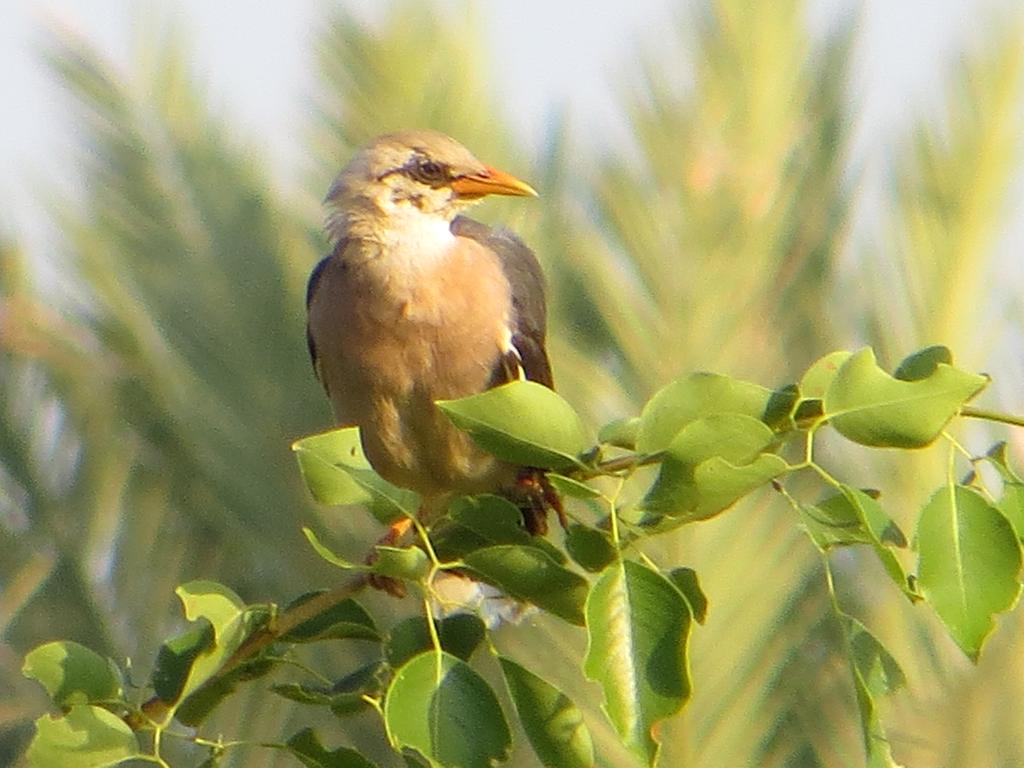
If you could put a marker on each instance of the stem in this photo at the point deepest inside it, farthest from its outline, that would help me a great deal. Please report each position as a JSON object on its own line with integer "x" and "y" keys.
{"x": 428, "y": 614}
{"x": 619, "y": 464}
{"x": 427, "y": 584}
{"x": 156, "y": 708}
{"x": 1002, "y": 418}
{"x": 613, "y": 515}
{"x": 289, "y": 620}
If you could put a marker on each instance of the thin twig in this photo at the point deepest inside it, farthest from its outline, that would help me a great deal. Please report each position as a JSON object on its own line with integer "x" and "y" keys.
{"x": 620, "y": 464}
{"x": 285, "y": 623}
{"x": 1002, "y": 418}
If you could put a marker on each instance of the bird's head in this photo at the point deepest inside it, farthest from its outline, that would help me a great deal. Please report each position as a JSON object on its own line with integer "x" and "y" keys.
{"x": 410, "y": 176}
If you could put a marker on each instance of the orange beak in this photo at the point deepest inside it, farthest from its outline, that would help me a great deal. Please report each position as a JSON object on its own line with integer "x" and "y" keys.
{"x": 491, "y": 182}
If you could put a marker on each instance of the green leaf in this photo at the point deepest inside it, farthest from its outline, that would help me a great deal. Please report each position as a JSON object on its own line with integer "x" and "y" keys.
{"x": 175, "y": 658}
{"x": 621, "y": 433}
{"x": 73, "y": 674}
{"x": 86, "y": 737}
{"x": 875, "y": 673}
{"x": 686, "y": 581}
{"x": 401, "y": 562}
{"x": 837, "y": 527}
{"x": 638, "y": 624}
{"x": 553, "y": 723}
{"x": 347, "y": 619}
{"x": 475, "y": 522}
{"x": 808, "y": 412}
{"x": 571, "y": 487}
{"x": 854, "y": 517}
{"x": 837, "y": 521}
{"x": 868, "y": 406}
{"x": 187, "y": 663}
{"x": 591, "y": 548}
{"x": 720, "y": 484}
{"x": 711, "y": 464}
{"x": 732, "y": 436}
{"x": 778, "y": 412}
{"x": 1011, "y": 502}
{"x": 528, "y": 574}
{"x": 969, "y": 566}
{"x": 337, "y": 472}
{"x": 494, "y": 518}
{"x": 320, "y": 457}
{"x": 460, "y": 635}
{"x": 923, "y": 363}
{"x": 693, "y": 397}
{"x": 346, "y": 696}
{"x": 306, "y": 746}
{"x": 817, "y": 379}
{"x": 524, "y": 423}
{"x": 215, "y": 603}
{"x": 328, "y": 555}
{"x": 440, "y": 707}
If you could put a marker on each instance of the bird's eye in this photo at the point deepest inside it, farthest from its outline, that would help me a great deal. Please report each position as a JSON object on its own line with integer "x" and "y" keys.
{"x": 430, "y": 172}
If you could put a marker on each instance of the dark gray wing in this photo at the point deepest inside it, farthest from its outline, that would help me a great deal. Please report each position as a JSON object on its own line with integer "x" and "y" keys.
{"x": 314, "y": 280}
{"x": 527, "y": 281}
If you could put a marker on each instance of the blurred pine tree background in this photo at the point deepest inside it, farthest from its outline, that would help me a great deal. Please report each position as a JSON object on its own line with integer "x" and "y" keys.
{"x": 148, "y": 397}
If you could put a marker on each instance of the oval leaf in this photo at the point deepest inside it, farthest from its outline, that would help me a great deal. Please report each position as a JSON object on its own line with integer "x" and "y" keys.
{"x": 686, "y": 581}
{"x": 72, "y": 674}
{"x": 327, "y": 554}
{"x": 690, "y": 398}
{"x": 231, "y": 622}
{"x": 729, "y": 445}
{"x": 875, "y": 673}
{"x": 922, "y": 363}
{"x": 553, "y": 724}
{"x": 878, "y": 529}
{"x": 621, "y": 433}
{"x": 86, "y": 737}
{"x": 440, "y": 707}
{"x": 1011, "y": 503}
{"x": 336, "y": 471}
{"x": 568, "y": 486}
{"x": 969, "y": 567}
{"x": 779, "y": 411}
{"x": 528, "y": 574}
{"x": 306, "y": 747}
{"x": 816, "y": 380}
{"x": 347, "y": 619}
{"x": 460, "y": 635}
{"x": 175, "y": 658}
{"x": 215, "y": 603}
{"x": 321, "y": 456}
{"x": 522, "y": 422}
{"x": 638, "y": 625}
{"x": 476, "y": 522}
{"x": 870, "y": 407}
{"x": 400, "y": 562}
{"x": 591, "y": 548}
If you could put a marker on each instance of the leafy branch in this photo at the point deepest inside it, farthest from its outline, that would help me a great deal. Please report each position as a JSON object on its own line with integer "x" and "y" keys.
{"x": 713, "y": 440}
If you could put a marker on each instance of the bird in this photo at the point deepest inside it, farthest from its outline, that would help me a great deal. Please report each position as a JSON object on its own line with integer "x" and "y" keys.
{"x": 417, "y": 303}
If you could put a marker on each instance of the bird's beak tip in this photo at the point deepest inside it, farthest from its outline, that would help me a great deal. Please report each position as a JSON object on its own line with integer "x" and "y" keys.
{"x": 491, "y": 182}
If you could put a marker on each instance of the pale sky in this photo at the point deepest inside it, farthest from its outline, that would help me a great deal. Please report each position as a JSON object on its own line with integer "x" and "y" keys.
{"x": 257, "y": 61}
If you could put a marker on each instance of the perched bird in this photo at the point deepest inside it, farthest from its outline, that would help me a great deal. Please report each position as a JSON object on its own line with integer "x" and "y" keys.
{"x": 415, "y": 304}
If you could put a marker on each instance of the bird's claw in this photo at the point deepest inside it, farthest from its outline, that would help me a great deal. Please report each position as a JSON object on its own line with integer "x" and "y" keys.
{"x": 539, "y": 496}
{"x": 394, "y": 587}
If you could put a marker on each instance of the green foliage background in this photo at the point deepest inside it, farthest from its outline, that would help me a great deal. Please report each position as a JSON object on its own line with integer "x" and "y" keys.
{"x": 148, "y": 400}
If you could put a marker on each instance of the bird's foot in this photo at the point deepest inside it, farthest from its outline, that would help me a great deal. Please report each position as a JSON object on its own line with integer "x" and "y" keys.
{"x": 538, "y": 496}
{"x": 394, "y": 587}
